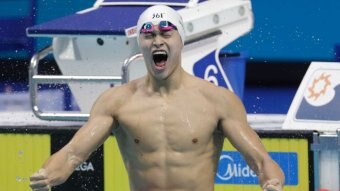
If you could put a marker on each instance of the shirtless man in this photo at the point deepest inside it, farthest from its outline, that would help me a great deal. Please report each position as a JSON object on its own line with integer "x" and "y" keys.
{"x": 169, "y": 125}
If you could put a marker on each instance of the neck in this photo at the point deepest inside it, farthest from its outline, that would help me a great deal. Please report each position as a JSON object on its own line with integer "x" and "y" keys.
{"x": 166, "y": 86}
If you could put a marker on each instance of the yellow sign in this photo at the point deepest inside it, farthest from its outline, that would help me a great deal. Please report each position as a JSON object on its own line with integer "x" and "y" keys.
{"x": 21, "y": 155}
{"x": 116, "y": 178}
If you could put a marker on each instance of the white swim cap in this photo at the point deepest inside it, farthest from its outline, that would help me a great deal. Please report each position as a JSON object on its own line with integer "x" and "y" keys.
{"x": 158, "y": 13}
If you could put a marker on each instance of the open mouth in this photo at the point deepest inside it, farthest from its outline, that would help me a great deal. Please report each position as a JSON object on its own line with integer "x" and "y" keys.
{"x": 160, "y": 57}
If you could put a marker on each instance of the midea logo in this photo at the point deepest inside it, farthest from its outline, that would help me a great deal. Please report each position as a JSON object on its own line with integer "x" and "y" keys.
{"x": 232, "y": 169}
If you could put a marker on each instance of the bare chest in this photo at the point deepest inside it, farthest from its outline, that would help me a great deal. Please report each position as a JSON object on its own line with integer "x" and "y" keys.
{"x": 178, "y": 124}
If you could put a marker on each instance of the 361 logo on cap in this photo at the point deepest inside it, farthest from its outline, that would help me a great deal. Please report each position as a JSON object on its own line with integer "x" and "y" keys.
{"x": 157, "y": 15}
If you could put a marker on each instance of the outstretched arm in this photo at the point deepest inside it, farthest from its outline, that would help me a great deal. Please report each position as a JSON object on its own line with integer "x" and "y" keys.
{"x": 60, "y": 165}
{"x": 246, "y": 141}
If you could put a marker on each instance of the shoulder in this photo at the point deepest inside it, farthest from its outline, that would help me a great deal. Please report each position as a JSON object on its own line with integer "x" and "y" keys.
{"x": 221, "y": 98}
{"x": 113, "y": 98}
{"x": 214, "y": 92}
{"x": 123, "y": 91}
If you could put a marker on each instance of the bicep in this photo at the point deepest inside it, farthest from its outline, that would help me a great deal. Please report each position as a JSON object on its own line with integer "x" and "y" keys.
{"x": 245, "y": 140}
{"x": 235, "y": 127}
{"x": 97, "y": 129}
{"x": 91, "y": 136}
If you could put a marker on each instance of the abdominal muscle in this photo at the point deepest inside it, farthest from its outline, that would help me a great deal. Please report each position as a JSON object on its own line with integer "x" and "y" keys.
{"x": 169, "y": 144}
{"x": 175, "y": 163}
{"x": 171, "y": 171}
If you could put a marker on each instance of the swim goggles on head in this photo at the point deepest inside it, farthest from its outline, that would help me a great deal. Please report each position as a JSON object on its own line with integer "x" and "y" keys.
{"x": 163, "y": 26}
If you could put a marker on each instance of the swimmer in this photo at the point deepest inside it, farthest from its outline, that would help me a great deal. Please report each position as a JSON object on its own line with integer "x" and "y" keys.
{"x": 169, "y": 125}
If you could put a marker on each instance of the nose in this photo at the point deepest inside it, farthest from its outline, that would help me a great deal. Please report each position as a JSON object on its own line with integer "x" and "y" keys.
{"x": 158, "y": 41}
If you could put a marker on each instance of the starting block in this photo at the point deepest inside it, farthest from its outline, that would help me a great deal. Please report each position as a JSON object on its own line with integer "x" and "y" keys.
{"x": 94, "y": 47}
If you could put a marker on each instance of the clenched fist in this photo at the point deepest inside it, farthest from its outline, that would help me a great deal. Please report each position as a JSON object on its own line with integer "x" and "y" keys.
{"x": 39, "y": 181}
{"x": 272, "y": 185}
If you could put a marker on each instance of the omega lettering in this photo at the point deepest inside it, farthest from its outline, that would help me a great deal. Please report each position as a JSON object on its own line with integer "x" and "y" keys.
{"x": 85, "y": 167}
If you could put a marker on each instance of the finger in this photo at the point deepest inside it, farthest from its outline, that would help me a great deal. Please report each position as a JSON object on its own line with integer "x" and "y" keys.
{"x": 41, "y": 174}
{"x": 36, "y": 177}
{"x": 272, "y": 188}
{"x": 272, "y": 185}
{"x": 39, "y": 186}
{"x": 41, "y": 189}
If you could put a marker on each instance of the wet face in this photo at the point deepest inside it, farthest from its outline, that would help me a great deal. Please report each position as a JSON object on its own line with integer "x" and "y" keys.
{"x": 161, "y": 48}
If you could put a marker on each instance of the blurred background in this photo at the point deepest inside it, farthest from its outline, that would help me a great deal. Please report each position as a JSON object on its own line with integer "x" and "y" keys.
{"x": 286, "y": 37}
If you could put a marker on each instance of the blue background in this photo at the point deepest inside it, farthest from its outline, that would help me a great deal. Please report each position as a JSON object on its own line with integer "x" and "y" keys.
{"x": 288, "y": 161}
{"x": 292, "y": 30}
{"x": 286, "y": 33}
{"x": 283, "y": 30}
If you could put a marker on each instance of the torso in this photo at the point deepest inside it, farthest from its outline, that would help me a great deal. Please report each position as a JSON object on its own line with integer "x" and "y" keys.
{"x": 170, "y": 143}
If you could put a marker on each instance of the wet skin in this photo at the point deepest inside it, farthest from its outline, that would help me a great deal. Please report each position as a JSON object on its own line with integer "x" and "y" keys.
{"x": 170, "y": 128}
{"x": 167, "y": 142}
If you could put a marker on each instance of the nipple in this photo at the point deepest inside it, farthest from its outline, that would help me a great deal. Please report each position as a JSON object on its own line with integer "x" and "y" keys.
{"x": 136, "y": 141}
{"x": 194, "y": 140}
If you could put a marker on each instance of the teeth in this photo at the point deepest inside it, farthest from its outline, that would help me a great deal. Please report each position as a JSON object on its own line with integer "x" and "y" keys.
{"x": 159, "y": 56}
{"x": 159, "y": 53}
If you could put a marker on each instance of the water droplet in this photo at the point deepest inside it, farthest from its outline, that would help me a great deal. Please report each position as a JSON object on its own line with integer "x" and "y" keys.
{"x": 18, "y": 178}
{"x": 21, "y": 153}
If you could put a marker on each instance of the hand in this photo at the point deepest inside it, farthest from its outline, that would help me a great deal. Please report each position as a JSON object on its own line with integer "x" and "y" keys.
{"x": 39, "y": 181}
{"x": 272, "y": 185}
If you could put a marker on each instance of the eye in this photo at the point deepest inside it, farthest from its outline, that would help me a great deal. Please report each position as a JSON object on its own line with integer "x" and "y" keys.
{"x": 148, "y": 35}
{"x": 166, "y": 33}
